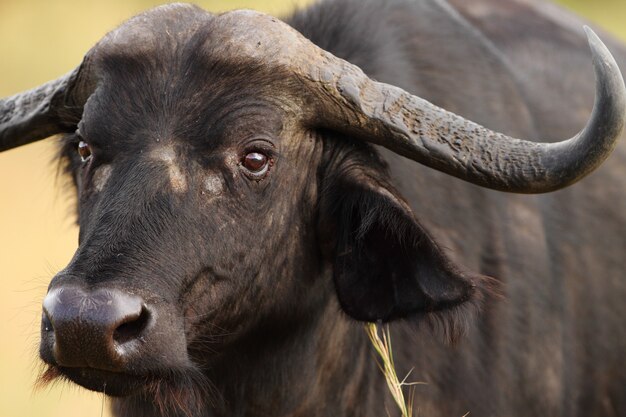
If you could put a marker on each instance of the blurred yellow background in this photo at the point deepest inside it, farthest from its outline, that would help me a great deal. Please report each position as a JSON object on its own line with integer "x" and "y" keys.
{"x": 41, "y": 40}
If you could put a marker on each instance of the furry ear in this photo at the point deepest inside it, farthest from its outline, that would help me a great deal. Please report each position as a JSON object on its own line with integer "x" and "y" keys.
{"x": 386, "y": 265}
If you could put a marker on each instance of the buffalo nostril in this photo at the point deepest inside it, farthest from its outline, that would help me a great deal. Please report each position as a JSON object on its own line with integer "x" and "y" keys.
{"x": 101, "y": 328}
{"x": 132, "y": 328}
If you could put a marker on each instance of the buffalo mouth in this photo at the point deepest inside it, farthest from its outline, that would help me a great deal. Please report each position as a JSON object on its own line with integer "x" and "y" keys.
{"x": 115, "y": 384}
{"x": 172, "y": 391}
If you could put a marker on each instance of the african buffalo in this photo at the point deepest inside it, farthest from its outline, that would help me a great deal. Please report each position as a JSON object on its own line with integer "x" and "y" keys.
{"x": 238, "y": 219}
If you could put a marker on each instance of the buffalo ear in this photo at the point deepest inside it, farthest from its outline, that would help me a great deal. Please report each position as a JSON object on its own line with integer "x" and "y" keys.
{"x": 386, "y": 265}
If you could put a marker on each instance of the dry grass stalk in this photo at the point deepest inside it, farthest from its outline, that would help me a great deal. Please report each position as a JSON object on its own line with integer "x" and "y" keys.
{"x": 382, "y": 345}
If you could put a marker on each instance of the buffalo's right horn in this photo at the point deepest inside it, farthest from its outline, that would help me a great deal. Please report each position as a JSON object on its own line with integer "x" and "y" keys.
{"x": 51, "y": 108}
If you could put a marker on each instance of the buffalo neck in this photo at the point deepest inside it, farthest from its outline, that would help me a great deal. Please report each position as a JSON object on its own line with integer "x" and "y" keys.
{"x": 324, "y": 366}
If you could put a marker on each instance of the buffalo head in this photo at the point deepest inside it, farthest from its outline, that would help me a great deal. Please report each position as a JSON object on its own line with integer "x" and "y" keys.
{"x": 228, "y": 193}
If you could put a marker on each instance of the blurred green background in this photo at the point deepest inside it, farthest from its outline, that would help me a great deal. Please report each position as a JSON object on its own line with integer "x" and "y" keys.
{"x": 40, "y": 40}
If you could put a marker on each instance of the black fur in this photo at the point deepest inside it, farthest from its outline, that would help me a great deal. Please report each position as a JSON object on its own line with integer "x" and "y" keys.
{"x": 257, "y": 280}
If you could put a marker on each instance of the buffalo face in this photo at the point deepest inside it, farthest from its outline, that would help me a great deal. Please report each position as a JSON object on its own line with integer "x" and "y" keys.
{"x": 196, "y": 206}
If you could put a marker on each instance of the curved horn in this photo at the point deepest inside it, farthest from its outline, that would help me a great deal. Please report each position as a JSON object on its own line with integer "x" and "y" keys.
{"x": 419, "y": 130}
{"x": 51, "y": 108}
{"x": 341, "y": 97}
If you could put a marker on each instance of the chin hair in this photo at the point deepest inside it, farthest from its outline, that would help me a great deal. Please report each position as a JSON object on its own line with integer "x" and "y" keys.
{"x": 184, "y": 393}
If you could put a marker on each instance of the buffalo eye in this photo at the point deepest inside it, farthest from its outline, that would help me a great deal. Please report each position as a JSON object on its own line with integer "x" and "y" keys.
{"x": 84, "y": 150}
{"x": 256, "y": 163}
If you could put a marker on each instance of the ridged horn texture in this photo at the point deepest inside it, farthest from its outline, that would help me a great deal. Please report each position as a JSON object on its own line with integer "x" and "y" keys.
{"x": 341, "y": 97}
{"x": 421, "y": 131}
{"x": 41, "y": 112}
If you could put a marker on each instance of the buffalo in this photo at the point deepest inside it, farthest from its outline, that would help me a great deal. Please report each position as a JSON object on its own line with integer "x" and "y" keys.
{"x": 251, "y": 190}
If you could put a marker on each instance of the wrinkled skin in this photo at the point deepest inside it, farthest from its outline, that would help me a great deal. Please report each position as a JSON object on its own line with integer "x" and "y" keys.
{"x": 152, "y": 179}
{"x": 254, "y": 281}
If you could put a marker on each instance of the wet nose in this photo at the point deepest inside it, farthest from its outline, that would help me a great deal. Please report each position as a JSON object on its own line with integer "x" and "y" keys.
{"x": 98, "y": 329}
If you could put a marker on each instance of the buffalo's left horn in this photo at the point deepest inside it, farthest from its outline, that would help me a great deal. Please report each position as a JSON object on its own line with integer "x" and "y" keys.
{"x": 413, "y": 127}
{"x": 340, "y": 96}
{"x": 51, "y": 108}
